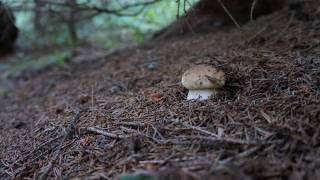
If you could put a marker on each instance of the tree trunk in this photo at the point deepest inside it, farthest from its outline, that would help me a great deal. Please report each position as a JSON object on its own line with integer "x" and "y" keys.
{"x": 37, "y": 17}
{"x": 72, "y": 24}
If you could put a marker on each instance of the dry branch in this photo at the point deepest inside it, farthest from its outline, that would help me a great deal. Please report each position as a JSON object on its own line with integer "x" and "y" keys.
{"x": 44, "y": 172}
{"x": 104, "y": 132}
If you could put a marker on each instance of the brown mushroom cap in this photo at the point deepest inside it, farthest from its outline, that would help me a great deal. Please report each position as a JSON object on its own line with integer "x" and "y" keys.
{"x": 203, "y": 77}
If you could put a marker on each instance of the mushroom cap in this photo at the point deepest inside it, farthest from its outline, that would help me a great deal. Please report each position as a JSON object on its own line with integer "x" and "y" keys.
{"x": 203, "y": 77}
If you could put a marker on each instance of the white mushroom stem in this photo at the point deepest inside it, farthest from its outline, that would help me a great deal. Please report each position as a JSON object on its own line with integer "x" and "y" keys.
{"x": 200, "y": 94}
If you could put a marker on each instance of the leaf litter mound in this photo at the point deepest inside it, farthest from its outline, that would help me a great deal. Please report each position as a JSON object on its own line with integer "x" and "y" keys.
{"x": 126, "y": 112}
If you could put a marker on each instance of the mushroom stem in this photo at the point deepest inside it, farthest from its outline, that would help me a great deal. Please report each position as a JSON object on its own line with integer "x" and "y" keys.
{"x": 202, "y": 94}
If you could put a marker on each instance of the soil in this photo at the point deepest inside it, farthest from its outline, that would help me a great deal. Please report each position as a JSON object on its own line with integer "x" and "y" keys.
{"x": 106, "y": 114}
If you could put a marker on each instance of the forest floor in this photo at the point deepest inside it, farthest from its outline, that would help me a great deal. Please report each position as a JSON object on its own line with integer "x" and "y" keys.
{"x": 105, "y": 114}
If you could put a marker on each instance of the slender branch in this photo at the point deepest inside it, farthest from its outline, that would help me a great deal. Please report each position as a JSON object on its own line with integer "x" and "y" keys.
{"x": 252, "y": 9}
{"x": 104, "y": 132}
{"x": 44, "y": 172}
{"x": 194, "y": 127}
{"x": 241, "y": 155}
{"x": 229, "y": 14}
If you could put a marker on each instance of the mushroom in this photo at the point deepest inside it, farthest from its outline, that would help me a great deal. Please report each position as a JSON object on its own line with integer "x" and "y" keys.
{"x": 202, "y": 81}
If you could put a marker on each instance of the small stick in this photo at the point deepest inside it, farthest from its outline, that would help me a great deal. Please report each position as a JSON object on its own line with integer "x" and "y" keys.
{"x": 136, "y": 124}
{"x": 252, "y": 9}
{"x": 195, "y": 128}
{"x": 144, "y": 135}
{"x": 285, "y": 28}
{"x": 262, "y": 29}
{"x": 229, "y": 140}
{"x": 100, "y": 131}
{"x": 69, "y": 131}
{"x": 229, "y": 14}
{"x": 241, "y": 155}
{"x": 36, "y": 149}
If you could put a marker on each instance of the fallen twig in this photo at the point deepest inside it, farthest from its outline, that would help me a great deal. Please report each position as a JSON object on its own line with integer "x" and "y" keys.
{"x": 229, "y": 14}
{"x": 194, "y": 127}
{"x": 101, "y": 131}
{"x": 241, "y": 155}
{"x": 226, "y": 140}
{"x": 44, "y": 172}
{"x": 283, "y": 31}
